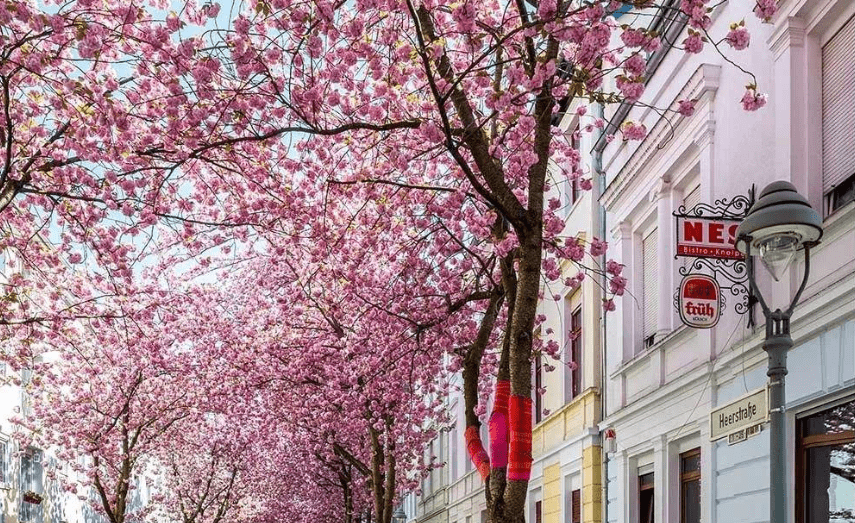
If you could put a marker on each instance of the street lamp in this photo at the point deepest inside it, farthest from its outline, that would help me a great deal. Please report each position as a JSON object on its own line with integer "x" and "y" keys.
{"x": 399, "y": 516}
{"x": 777, "y": 226}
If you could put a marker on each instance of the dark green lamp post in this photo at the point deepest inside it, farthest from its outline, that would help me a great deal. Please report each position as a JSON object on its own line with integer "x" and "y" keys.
{"x": 778, "y": 226}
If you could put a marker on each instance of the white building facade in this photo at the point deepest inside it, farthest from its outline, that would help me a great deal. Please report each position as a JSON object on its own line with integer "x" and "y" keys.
{"x": 664, "y": 378}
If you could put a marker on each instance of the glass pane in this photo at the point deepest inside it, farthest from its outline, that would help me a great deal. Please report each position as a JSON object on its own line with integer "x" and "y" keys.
{"x": 645, "y": 479}
{"x": 691, "y": 463}
{"x": 838, "y": 419}
{"x": 830, "y": 484}
{"x": 691, "y": 501}
{"x": 645, "y": 507}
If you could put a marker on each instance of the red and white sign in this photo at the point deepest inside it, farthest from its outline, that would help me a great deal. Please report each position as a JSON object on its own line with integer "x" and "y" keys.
{"x": 699, "y": 301}
{"x": 703, "y": 238}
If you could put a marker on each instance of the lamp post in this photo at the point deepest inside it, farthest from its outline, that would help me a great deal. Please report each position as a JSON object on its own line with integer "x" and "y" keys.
{"x": 777, "y": 226}
{"x": 399, "y": 516}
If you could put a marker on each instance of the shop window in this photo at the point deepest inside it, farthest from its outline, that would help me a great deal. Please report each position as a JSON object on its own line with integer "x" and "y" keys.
{"x": 690, "y": 486}
{"x": 645, "y": 498}
{"x": 825, "y": 466}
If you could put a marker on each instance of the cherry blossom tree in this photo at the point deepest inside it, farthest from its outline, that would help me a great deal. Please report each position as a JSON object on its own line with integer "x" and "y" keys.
{"x": 454, "y": 105}
{"x": 372, "y": 177}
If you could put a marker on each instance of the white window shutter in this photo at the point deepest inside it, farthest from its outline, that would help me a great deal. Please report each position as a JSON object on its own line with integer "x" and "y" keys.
{"x": 838, "y": 107}
{"x": 650, "y": 272}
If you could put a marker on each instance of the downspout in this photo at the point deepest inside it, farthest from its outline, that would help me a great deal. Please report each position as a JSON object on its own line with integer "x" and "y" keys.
{"x": 670, "y": 30}
{"x": 600, "y": 225}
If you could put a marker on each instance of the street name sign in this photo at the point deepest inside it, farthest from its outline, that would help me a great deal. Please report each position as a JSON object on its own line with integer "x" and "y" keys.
{"x": 737, "y": 416}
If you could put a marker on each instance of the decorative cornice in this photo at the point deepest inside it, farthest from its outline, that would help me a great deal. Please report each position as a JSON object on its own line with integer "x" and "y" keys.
{"x": 704, "y": 136}
{"x": 791, "y": 33}
{"x": 705, "y": 80}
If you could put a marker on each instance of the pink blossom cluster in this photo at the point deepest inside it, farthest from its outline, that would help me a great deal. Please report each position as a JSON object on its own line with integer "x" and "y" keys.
{"x": 766, "y": 9}
{"x": 633, "y": 131}
{"x": 738, "y": 36}
{"x": 698, "y": 13}
{"x": 631, "y": 88}
{"x": 752, "y": 100}
{"x": 694, "y": 43}
{"x": 686, "y": 107}
{"x": 632, "y": 37}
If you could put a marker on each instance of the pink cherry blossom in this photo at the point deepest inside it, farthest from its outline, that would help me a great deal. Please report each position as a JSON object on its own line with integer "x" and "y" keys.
{"x": 752, "y": 100}
{"x": 686, "y": 107}
{"x": 633, "y": 131}
{"x": 738, "y": 37}
{"x": 694, "y": 43}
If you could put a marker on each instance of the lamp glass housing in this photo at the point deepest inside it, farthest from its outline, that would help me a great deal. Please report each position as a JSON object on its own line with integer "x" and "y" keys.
{"x": 777, "y": 251}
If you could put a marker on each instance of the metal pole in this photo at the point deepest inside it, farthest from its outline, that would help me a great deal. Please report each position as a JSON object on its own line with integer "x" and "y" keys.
{"x": 778, "y": 342}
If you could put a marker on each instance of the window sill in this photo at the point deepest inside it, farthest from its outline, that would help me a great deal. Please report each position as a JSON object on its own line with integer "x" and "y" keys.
{"x": 841, "y": 217}
{"x": 675, "y": 335}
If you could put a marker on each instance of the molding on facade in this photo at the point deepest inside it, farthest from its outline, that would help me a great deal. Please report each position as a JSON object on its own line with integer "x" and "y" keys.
{"x": 704, "y": 81}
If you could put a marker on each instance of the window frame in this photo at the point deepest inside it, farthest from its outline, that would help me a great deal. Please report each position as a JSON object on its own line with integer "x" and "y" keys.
{"x": 804, "y": 443}
{"x": 575, "y": 192}
{"x": 642, "y": 489}
{"x": 688, "y": 477}
{"x": 576, "y": 345}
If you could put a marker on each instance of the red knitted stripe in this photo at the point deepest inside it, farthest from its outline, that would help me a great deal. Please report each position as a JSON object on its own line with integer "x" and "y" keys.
{"x": 503, "y": 393}
{"x": 519, "y": 460}
{"x": 476, "y": 451}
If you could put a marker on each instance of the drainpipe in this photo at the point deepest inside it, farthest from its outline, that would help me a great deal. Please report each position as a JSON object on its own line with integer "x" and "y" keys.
{"x": 599, "y": 177}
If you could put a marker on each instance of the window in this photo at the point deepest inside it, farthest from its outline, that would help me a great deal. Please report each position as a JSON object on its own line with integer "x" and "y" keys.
{"x": 453, "y": 447}
{"x": 573, "y": 381}
{"x": 691, "y": 199}
{"x": 538, "y": 386}
{"x": 3, "y": 463}
{"x": 538, "y": 512}
{"x": 841, "y": 194}
{"x": 645, "y": 498}
{"x": 574, "y": 508}
{"x": 838, "y": 111}
{"x": 30, "y": 479}
{"x": 574, "y": 190}
{"x": 690, "y": 486}
{"x": 650, "y": 297}
{"x": 825, "y": 466}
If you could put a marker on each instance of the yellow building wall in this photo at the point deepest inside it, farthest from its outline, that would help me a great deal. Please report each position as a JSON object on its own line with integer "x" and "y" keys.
{"x": 552, "y": 494}
{"x": 569, "y": 421}
{"x": 592, "y": 484}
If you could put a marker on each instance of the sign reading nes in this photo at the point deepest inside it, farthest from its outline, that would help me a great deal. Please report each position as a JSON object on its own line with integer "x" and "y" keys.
{"x": 705, "y": 238}
{"x": 699, "y": 301}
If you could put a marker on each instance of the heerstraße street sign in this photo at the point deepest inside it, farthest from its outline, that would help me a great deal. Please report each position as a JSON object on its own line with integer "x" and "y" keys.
{"x": 744, "y": 412}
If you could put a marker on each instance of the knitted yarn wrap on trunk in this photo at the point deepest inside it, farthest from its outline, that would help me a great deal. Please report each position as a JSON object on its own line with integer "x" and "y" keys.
{"x": 476, "y": 452}
{"x": 519, "y": 460}
{"x": 499, "y": 426}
